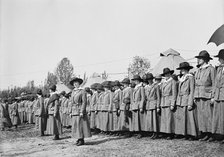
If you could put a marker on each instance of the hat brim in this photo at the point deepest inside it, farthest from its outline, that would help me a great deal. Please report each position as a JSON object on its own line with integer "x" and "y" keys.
{"x": 187, "y": 67}
{"x": 135, "y": 79}
{"x": 125, "y": 83}
{"x": 202, "y": 57}
{"x": 171, "y": 72}
{"x": 80, "y": 81}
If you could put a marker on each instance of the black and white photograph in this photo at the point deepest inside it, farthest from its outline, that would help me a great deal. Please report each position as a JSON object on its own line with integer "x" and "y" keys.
{"x": 111, "y": 78}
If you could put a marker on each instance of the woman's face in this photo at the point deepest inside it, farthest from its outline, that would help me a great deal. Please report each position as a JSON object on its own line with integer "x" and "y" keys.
{"x": 76, "y": 84}
{"x": 183, "y": 71}
{"x": 221, "y": 60}
{"x": 201, "y": 61}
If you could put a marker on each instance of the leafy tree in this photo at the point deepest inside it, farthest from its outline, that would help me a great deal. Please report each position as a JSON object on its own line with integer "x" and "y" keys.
{"x": 139, "y": 66}
{"x": 64, "y": 71}
{"x": 51, "y": 79}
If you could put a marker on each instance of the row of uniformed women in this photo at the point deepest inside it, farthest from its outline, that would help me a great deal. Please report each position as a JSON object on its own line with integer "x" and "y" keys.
{"x": 191, "y": 106}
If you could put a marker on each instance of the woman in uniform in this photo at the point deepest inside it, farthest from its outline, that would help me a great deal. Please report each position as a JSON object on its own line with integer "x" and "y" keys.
{"x": 168, "y": 102}
{"x": 54, "y": 126}
{"x": 186, "y": 115}
{"x": 218, "y": 112}
{"x": 80, "y": 122}
{"x": 204, "y": 83}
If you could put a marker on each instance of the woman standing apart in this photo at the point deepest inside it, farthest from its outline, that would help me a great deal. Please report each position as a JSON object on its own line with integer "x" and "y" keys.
{"x": 204, "y": 83}
{"x": 54, "y": 126}
{"x": 186, "y": 115}
{"x": 218, "y": 112}
{"x": 80, "y": 122}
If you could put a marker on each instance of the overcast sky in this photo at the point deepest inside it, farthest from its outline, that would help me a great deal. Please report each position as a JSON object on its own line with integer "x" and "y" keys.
{"x": 98, "y": 35}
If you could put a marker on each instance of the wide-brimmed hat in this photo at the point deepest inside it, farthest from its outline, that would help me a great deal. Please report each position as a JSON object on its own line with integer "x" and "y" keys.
{"x": 221, "y": 54}
{"x": 167, "y": 71}
{"x": 107, "y": 84}
{"x": 76, "y": 79}
{"x": 126, "y": 81}
{"x": 148, "y": 76}
{"x": 137, "y": 77}
{"x": 94, "y": 86}
{"x": 87, "y": 89}
{"x": 204, "y": 55}
{"x": 99, "y": 87}
{"x": 53, "y": 87}
{"x": 117, "y": 83}
{"x": 184, "y": 65}
{"x": 39, "y": 92}
{"x": 63, "y": 93}
{"x": 158, "y": 77}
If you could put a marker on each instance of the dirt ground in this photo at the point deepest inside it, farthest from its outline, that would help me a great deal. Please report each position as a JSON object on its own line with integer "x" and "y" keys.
{"x": 25, "y": 142}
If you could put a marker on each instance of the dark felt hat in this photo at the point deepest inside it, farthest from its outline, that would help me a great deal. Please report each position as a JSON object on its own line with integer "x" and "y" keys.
{"x": 63, "y": 93}
{"x": 39, "y": 92}
{"x": 126, "y": 81}
{"x": 148, "y": 76}
{"x": 137, "y": 77}
{"x": 204, "y": 55}
{"x": 76, "y": 79}
{"x": 117, "y": 83}
{"x": 94, "y": 86}
{"x": 99, "y": 87}
{"x": 87, "y": 89}
{"x": 221, "y": 54}
{"x": 53, "y": 87}
{"x": 107, "y": 84}
{"x": 167, "y": 71}
{"x": 184, "y": 65}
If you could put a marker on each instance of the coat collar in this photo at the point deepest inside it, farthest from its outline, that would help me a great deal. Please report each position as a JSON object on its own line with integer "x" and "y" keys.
{"x": 204, "y": 66}
{"x": 138, "y": 85}
{"x": 184, "y": 77}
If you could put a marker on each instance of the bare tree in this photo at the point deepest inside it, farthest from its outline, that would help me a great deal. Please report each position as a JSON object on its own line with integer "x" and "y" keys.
{"x": 139, "y": 66}
{"x": 64, "y": 71}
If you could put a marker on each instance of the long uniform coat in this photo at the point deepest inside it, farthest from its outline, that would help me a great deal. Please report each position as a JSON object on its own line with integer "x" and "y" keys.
{"x": 152, "y": 93}
{"x": 15, "y": 114}
{"x": 80, "y": 124}
{"x": 116, "y": 101}
{"x": 41, "y": 114}
{"x": 63, "y": 102}
{"x": 93, "y": 103}
{"x": 36, "y": 107}
{"x": 65, "y": 113}
{"x": 98, "y": 110}
{"x": 123, "y": 123}
{"x": 137, "y": 104}
{"x": 54, "y": 126}
{"x": 5, "y": 120}
{"x": 218, "y": 112}
{"x": 30, "y": 112}
{"x": 186, "y": 121}
{"x": 168, "y": 99}
{"x": 107, "y": 124}
{"x": 204, "y": 83}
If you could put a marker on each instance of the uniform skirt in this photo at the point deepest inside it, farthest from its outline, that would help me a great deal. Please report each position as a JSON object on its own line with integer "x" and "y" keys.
{"x": 42, "y": 124}
{"x": 30, "y": 118}
{"x": 105, "y": 121}
{"x": 218, "y": 118}
{"x": 80, "y": 127}
{"x": 54, "y": 126}
{"x": 92, "y": 120}
{"x": 135, "y": 121}
{"x": 204, "y": 112}
{"x": 15, "y": 120}
{"x": 167, "y": 120}
{"x": 151, "y": 122}
{"x": 123, "y": 121}
{"x": 113, "y": 121}
{"x": 37, "y": 123}
{"x": 21, "y": 117}
{"x": 5, "y": 122}
{"x": 186, "y": 121}
{"x": 98, "y": 116}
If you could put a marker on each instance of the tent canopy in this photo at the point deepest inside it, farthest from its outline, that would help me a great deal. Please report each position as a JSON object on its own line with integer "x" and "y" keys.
{"x": 62, "y": 87}
{"x": 95, "y": 78}
{"x": 170, "y": 59}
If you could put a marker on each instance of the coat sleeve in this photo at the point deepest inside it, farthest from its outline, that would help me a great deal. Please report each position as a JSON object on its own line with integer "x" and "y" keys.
{"x": 191, "y": 94}
{"x": 84, "y": 102}
{"x": 142, "y": 102}
{"x": 158, "y": 96}
{"x": 174, "y": 93}
{"x": 213, "y": 73}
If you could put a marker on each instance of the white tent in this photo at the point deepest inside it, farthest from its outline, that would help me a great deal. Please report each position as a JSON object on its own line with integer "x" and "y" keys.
{"x": 95, "y": 78}
{"x": 170, "y": 59}
{"x": 62, "y": 87}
